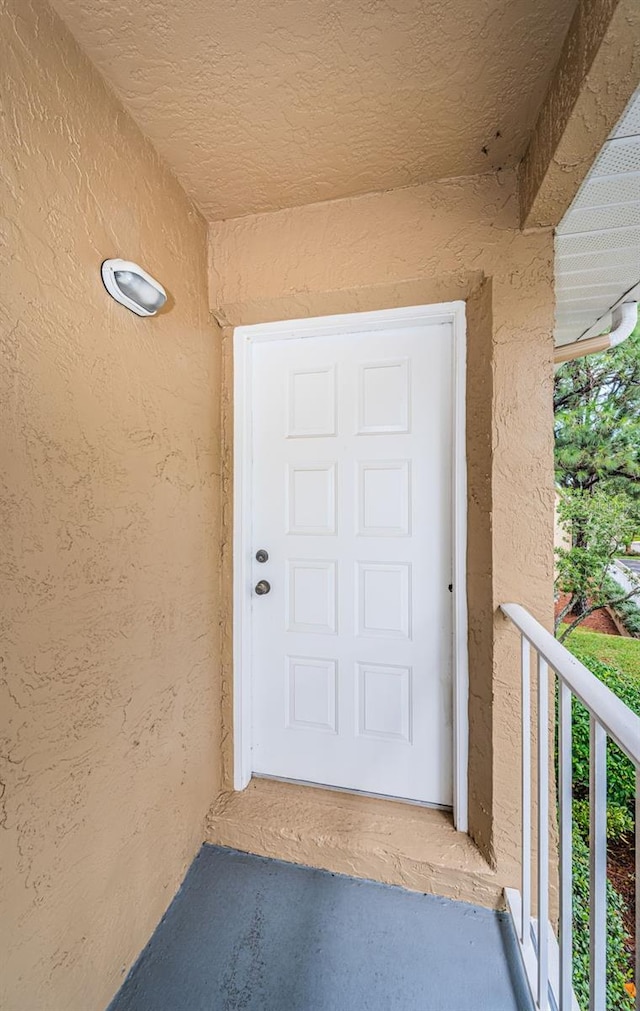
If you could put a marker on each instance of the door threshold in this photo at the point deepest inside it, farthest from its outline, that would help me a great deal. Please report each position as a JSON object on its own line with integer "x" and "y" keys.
{"x": 399, "y": 844}
{"x": 354, "y": 792}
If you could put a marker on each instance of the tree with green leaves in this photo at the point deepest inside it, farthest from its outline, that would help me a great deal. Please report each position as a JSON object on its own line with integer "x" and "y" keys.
{"x": 597, "y": 466}
{"x": 597, "y": 420}
{"x": 606, "y": 523}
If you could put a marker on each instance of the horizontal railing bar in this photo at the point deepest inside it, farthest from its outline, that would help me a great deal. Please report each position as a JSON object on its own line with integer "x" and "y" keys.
{"x": 621, "y": 724}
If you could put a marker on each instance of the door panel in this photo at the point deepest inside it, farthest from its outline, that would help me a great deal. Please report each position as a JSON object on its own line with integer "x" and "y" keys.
{"x": 351, "y": 649}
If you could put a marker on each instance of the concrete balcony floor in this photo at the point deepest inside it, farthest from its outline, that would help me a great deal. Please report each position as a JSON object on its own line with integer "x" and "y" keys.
{"x": 246, "y": 933}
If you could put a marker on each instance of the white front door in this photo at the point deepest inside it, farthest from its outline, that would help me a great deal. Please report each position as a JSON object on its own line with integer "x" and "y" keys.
{"x": 351, "y": 445}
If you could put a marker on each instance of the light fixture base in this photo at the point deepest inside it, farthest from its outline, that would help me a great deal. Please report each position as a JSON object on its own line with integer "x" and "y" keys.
{"x": 111, "y": 267}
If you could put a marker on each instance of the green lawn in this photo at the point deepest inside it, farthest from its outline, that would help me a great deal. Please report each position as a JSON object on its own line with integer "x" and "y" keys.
{"x": 615, "y": 650}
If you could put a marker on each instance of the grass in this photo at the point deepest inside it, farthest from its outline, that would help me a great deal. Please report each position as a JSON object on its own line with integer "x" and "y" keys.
{"x": 614, "y": 650}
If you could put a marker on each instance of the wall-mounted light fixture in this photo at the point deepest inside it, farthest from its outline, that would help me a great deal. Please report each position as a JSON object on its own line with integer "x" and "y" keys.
{"x": 130, "y": 285}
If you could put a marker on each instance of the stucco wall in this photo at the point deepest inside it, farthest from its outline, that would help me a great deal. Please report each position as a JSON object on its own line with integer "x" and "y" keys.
{"x": 453, "y": 239}
{"x": 109, "y": 435}
{"x": 276, "y": 104}
{"x": 595, "y": 77}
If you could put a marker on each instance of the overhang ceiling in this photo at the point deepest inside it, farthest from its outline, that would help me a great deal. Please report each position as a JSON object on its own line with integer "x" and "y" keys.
{"x": 260, "y": 105}
{"x": 598, "y": 240}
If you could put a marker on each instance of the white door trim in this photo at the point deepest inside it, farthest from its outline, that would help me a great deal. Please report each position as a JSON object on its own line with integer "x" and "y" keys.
{"x": 323, "y": 326}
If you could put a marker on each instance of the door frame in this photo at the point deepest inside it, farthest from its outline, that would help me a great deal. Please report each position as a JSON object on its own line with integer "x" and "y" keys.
{"x": 326, "y": 326}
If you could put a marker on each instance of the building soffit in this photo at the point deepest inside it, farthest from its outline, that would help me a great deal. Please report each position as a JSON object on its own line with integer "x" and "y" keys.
{"x": 581, "y": 171}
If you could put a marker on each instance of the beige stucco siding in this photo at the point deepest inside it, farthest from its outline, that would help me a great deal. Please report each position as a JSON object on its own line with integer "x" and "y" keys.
{"x": 271, "y": 104}
{"x": 109, "y": 498}
{"x": 116, "y": 676}
{"x": 437, "y": 242}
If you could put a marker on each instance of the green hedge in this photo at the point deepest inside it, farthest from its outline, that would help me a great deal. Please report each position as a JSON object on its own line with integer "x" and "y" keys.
{"x": 628, "y": 611}
{"x": 618, "y": 972}
{"x": 629, "y": 614}
{"x": 620, "y": 819}
{"x": 620, "y": 771}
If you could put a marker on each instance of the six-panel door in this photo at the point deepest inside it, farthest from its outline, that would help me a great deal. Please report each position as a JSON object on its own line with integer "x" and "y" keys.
{"x": 352, "y": 500}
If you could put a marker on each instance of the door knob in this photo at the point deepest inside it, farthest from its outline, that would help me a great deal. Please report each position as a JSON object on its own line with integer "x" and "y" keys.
{"x": 262, "y": 587}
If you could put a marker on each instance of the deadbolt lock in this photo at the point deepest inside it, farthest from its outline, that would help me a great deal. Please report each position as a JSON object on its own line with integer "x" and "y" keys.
{"x": 262, "y": 555}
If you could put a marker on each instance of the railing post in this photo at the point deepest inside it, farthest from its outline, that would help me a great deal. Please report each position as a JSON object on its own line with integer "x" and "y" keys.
{"x": 597, "y": 866}
{"x": 566, "y": 846}
{"x": 525, "y": 666}
{"x": 543, "y": 835}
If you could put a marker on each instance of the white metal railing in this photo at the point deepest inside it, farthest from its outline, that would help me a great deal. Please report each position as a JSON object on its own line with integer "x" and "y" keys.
{"x": 548, "y": 959}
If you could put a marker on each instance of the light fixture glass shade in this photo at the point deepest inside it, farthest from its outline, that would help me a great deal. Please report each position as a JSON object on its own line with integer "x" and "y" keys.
{"x": 130, "y": 285}
{"x": 138, "y": 290}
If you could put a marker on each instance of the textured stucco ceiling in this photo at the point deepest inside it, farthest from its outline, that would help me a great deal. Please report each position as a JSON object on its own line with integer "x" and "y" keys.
{"x": 259, "y": 105}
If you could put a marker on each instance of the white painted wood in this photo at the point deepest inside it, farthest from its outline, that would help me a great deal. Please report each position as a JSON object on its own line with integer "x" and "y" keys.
{"x": 566, "y": 852}
{"x": 392, "y": 375}
{"x": 242, "y": 567}
{"x": 460, "y": 621}
{"x": 361, "y": 565}
{"x": 525, "y": 667}
{"x": 543, "y": 834}
{"x": 311, "y": 693}
{"x": 597, "y": 866}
